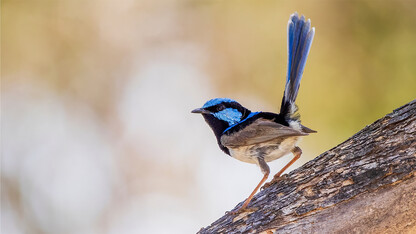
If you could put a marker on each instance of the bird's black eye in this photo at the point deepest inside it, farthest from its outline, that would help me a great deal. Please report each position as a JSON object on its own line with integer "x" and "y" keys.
{"x": 220, "y": 107}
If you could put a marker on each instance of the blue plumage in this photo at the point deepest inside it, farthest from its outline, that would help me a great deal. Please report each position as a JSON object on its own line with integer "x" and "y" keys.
{"x": 300, "y": 36}
{"x": 252, "y": 114}
{"x": 261, "y": 137}
{"x": 229, "y": 115}
{"x": 217, "y": 101}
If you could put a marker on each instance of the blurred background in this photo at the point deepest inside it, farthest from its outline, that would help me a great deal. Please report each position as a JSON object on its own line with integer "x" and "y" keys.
{"x": 97, "y": 134}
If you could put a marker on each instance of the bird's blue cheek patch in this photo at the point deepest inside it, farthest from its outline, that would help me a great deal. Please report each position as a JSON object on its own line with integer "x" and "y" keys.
{"x": 230, "y": 115}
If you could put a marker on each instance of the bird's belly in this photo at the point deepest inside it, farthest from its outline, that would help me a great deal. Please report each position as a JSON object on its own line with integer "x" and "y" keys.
{"x": 270, "y": 150}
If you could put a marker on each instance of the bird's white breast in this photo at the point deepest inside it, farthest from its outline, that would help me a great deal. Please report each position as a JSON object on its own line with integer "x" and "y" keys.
{"x": 271, "y": 150}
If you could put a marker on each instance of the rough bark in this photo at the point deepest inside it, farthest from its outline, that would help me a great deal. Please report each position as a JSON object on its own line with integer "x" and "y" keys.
{"x": 367, "y": 184}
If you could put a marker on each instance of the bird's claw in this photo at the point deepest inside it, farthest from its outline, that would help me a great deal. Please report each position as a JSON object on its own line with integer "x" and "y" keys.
{"x": 239, "y": 211}
{"x": 266, "y": 185}
{"x": 273, "y": 181}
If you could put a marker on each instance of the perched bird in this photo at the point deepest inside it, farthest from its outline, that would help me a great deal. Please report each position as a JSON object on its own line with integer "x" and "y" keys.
{"x": 261, "y": 137}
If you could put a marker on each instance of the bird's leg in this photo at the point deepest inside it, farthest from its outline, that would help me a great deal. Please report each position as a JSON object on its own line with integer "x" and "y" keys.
{"x": 266, "y": 171}
{"x": 296, "y": 152}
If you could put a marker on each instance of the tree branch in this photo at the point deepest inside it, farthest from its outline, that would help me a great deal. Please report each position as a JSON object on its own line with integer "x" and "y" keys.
{"x": 367, "y": 184}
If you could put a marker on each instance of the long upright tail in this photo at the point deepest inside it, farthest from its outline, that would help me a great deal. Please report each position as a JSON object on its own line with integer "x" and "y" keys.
{"x": 300, "y": 36}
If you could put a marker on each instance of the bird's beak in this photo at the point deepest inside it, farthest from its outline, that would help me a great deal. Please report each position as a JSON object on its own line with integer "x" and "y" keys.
{"x": 200, "y": 111}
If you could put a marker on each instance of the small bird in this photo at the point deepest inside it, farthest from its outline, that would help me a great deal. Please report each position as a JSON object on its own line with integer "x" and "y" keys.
{"x": 261, "y": 137}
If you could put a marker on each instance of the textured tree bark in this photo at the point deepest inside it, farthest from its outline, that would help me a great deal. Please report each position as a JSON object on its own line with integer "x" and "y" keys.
{"x": 366, "y": 184}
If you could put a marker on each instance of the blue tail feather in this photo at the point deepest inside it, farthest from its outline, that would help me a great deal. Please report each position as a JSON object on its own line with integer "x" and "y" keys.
{"x": 300, "y": 36}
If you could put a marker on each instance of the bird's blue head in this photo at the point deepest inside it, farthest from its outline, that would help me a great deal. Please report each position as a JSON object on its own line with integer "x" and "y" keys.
{"x": 223, "y": 109}
{"x": 221, "y": 113}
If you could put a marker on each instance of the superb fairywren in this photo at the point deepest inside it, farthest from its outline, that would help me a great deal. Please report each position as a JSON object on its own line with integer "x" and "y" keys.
{"x": 261, "y": 137}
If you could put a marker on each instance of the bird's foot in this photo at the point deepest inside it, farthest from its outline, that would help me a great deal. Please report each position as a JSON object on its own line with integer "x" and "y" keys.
{"x": 273, "y": 181}
{"x": 240, "y": 211}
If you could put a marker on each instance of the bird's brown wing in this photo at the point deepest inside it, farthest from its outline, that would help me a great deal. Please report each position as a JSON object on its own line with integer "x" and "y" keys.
{"x": 259, "y": 131}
